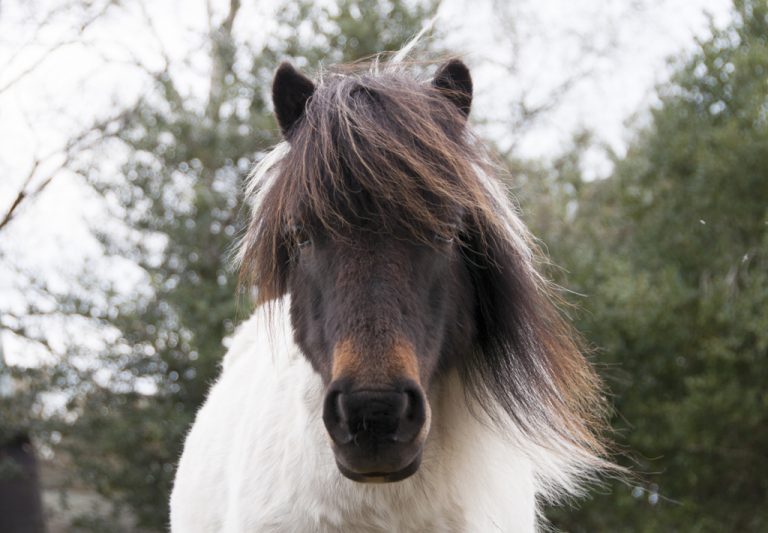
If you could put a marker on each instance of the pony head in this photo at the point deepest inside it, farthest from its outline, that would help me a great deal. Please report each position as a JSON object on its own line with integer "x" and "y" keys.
{"x": 404, "y": 261}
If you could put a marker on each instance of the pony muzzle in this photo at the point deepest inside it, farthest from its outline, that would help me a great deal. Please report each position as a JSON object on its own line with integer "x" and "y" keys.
{"x": 377, "y": 433}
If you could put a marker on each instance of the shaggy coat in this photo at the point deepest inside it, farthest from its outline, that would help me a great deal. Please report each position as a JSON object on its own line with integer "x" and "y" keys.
{"x": 512, "y": 411}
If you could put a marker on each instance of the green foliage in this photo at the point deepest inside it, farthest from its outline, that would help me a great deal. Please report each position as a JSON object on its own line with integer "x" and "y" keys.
{"x": 180, "y": 196}
{"x": 672, "y": 251}
{"x": 20, "y": 405}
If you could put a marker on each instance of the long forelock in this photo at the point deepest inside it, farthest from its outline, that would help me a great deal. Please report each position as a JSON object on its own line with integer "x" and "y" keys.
{"x": 388, "y": 140}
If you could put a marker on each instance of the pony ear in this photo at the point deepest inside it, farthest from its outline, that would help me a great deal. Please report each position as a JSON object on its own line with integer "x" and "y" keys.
{"x": 290, "y": 92}
{"x": 453, "y": 80}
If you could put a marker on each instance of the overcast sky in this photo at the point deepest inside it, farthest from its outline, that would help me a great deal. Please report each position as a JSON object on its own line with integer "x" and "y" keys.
{"x": 86, "y": 78}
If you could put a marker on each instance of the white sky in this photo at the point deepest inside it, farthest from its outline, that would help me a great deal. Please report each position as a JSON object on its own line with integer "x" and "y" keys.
{"x": 89, "y": 77}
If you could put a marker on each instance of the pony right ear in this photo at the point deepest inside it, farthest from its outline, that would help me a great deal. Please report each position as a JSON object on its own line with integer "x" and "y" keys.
{"x": 454, "y": 81}
{"x": 290, "y": 92}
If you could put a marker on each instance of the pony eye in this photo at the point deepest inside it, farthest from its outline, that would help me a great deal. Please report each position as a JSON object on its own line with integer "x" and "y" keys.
{"x": 301, "y": 237}
{"x": 447, "y": 237}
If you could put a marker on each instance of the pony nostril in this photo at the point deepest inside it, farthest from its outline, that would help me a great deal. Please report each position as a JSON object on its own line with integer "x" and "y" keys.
{"x": 342, "y": 414}
{"x": 413, "y": 417}
{"x": 334, "y": 417}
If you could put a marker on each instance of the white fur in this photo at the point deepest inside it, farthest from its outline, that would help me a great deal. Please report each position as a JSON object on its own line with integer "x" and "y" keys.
{"x": 258, "y": 458}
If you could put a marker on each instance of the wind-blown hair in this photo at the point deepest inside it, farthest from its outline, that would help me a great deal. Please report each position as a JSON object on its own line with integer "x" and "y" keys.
{"x": 406, "y": 144}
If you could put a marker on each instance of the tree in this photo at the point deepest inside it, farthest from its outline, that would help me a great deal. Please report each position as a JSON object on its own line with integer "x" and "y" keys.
{"x": 179, "y": 195}
{"x": 672, "y": 251}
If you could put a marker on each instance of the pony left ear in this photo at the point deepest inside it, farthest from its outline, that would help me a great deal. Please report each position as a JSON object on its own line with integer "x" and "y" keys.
{"x": 454, "y": 81}
{"x": 290, "y": 92}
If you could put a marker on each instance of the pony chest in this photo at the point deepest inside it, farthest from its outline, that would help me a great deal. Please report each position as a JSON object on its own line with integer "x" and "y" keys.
{"x": 336, "y": 508}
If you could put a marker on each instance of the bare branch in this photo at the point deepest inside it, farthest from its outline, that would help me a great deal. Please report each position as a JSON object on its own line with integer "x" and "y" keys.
{"x": 222, "y": 51}
{"x": 155, "y": 34}
{"x": 521, "y": 26}
{"x": 74, "y": 147}
{"x": 24, "y": 333}
{"x": 48, "y": 53}
{"x": 229, "y": 21}
{"x": 35, "y": 64}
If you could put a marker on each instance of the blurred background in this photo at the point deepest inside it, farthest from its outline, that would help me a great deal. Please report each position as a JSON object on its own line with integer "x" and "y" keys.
{"x": 635, "y": 133}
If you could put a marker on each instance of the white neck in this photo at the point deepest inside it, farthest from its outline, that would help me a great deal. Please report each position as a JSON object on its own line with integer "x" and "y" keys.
{"x": 258, "y": 458}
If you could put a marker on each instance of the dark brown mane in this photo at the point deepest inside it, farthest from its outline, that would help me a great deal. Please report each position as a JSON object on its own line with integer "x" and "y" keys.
{"x": 394, "y": 155}
{"x": 399, "y": 142}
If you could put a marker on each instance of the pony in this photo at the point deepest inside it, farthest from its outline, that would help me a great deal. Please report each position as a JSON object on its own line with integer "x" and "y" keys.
{"x": 407, "y": 367}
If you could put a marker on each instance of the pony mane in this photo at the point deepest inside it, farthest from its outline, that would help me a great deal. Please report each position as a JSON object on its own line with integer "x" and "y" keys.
{"x": 380, "y": 148}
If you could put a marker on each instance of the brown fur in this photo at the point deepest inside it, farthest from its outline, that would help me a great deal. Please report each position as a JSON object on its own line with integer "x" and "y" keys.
{"x": 399, "y": 363}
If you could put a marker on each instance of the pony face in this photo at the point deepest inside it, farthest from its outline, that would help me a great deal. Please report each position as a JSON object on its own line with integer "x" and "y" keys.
{"x": 379, "y": 291}
{"x": 404, "y": 259}
{"x": 378, "y": 316}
